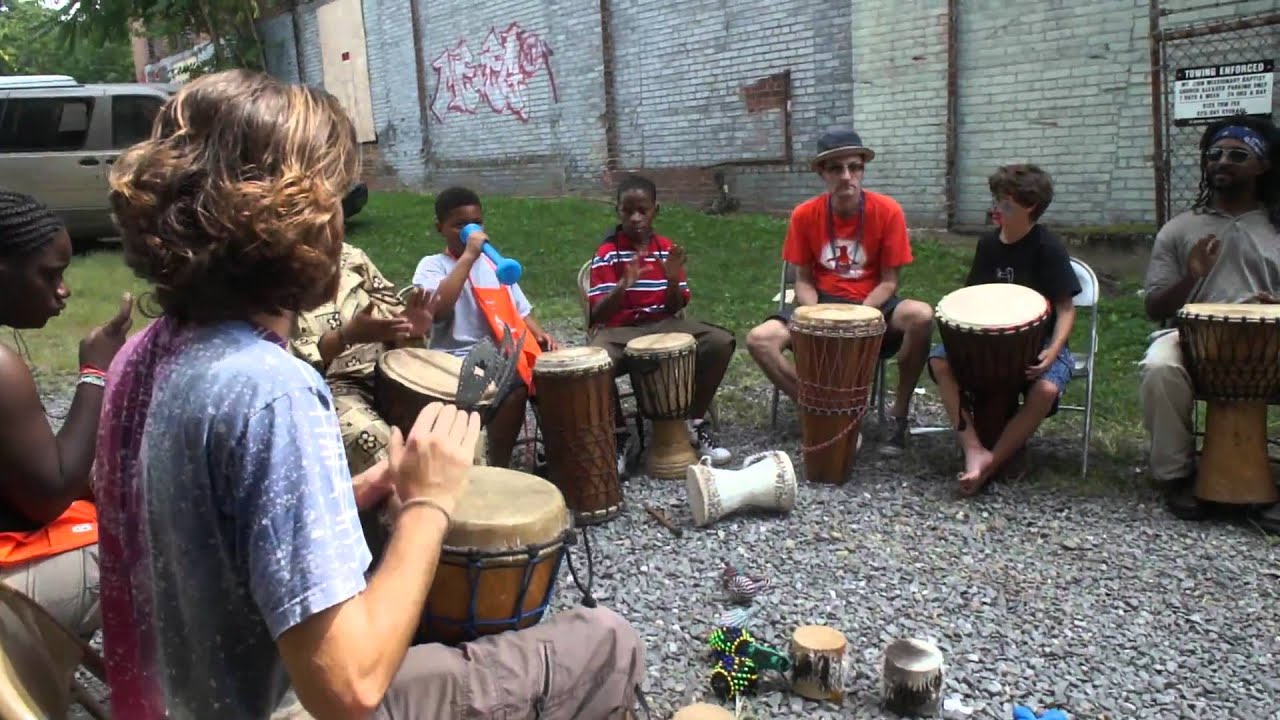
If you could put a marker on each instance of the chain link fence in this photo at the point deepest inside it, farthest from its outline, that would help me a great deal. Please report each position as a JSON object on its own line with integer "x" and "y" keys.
{"x": 1185, "y": 45}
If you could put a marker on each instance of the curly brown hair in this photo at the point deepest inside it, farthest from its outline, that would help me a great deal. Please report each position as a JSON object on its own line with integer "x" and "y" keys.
{"x": 234, "y": 205}
{"x": 1028, "y": 185}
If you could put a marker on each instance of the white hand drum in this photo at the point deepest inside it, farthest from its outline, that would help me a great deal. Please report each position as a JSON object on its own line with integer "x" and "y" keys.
{"x": 766, "y": 481}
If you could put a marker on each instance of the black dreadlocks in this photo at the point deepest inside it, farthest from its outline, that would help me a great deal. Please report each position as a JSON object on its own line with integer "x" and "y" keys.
{"x": 1268, "y": 181}
{"x": 26, "y": 224}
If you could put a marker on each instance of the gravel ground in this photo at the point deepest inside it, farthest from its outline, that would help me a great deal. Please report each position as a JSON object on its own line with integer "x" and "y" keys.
{"x": 1104, "y": 606}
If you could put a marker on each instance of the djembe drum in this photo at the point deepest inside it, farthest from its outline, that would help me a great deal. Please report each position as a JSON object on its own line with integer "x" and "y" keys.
{"x": 911, "y": 678}
{"x": 576, "y": 412}
{"x": 500, "y": 560}
{"x": 408, "y": 379}
{"x": 703, "y": 711}
{"x": 817, "y": 662}
{"x": 661, "y": 368}
{"x": 1232, "y": 353}
{"x": 837, "y": 347}
{"x": 767, "y": 481}
{"x": 992, "y": 333}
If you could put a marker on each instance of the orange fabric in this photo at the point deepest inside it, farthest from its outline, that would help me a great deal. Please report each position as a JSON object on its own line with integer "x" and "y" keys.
{"x": 77, "y": 527}
{"x": 500, "y": 310}
{"x": 847, "y": 260}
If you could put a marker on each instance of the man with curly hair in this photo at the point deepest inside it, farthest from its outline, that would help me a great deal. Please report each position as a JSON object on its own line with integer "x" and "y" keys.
{"x": 232, "y": 559}
{"x": 1225, "y": 249}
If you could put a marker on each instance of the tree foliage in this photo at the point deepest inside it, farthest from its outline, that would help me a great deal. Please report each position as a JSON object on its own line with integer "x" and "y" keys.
{"x": 30, "y": 45}
{"x": 229, "y": 26}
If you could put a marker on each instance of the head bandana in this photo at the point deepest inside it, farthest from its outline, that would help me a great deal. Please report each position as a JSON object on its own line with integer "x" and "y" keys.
{"x": 1249, "y": 137}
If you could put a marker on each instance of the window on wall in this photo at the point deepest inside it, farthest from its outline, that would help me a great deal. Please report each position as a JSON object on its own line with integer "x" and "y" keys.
{"x": 44, "y": 124}
{"x": 131, "y": 119}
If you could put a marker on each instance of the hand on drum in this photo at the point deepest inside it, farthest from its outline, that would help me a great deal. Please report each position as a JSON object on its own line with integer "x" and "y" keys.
{"x": 434, "y": 462}
{"x": 1203, "y": 256}
{"x": 1043, "y": 361}
{"x": 417, "y": 313}
{"x": 548, "y": 343}
{"x": 365, "y": 327}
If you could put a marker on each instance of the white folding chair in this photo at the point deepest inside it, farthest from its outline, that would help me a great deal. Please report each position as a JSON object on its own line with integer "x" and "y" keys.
{"x": 786, "y": 299}
{"x": 1087, "y": 300}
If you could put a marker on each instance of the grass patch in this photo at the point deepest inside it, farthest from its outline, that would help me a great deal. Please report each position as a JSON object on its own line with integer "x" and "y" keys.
{"x": 733, "y": 267}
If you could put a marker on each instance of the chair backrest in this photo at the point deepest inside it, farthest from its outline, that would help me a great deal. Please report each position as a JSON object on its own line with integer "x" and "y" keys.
{"x": 38, "y": 660}
{"x": 584, "y": 280}
{"x": 1089, "y": 296}
{"x": 786, "y": 289}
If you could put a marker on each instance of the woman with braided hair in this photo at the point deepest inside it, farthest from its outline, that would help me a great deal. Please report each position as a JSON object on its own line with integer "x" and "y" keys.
{"x": 48, "y": 524}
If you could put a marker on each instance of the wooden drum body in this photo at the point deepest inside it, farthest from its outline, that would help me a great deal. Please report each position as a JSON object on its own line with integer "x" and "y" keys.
{"x": 661, "y": 368}
{"x": 992, "y": 333}
{"x": 575, "y": 409}
{"x": 837, "y": 347}
{"x": 409, "y": 379}
{"x": 766, "y": 481}
{"x": 1232, "y": 353}
{"x": 500, "y": 560}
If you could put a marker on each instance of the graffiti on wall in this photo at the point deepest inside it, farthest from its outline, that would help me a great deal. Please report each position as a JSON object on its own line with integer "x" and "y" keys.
{"x": 498, "y": 75}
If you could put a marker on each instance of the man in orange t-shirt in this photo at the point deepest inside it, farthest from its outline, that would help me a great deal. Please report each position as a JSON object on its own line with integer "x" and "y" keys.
{"x": 847, "y": 246}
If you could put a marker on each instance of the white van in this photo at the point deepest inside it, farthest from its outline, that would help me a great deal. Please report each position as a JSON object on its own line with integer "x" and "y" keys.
{"x": 58, "y": 138}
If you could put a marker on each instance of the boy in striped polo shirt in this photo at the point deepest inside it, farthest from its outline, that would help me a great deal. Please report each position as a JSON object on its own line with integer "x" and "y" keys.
{"x": 638, "y": 288}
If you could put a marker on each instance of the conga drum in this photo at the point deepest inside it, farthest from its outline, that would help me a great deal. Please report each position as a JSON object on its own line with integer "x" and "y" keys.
{"x": 409, "y": 379}
{"x": 1232, "y": 353}
{"x": 661, "y": 368}
{"x": 837, "y": 347}
{"x": 992, "y": 332}
{"x": 498, "y": 567}
{"x": 576, "y": 412}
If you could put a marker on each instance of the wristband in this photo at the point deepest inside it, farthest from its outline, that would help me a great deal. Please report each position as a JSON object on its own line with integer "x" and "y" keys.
{"x": 448, "y": 519}
{"x": 92, "y": 379}
{"x": 88, "y": 369}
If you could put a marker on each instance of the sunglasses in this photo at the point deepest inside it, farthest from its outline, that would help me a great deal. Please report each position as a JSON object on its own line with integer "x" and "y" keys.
{"x": 854, "y": 167}
{"x": 1233, "y": 155}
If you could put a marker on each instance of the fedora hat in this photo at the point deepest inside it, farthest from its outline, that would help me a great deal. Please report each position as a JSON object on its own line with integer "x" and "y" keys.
{"x": 840, "y": 142}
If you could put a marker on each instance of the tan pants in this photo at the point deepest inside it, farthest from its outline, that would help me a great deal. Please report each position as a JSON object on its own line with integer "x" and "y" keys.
{"x": 580, "y": 663}
{"x": 1168, "y": 399}
{"x": 66, "y": 585}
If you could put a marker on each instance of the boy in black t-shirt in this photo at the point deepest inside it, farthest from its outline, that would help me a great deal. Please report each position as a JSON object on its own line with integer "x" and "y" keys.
{"x": 1026, "y": 253}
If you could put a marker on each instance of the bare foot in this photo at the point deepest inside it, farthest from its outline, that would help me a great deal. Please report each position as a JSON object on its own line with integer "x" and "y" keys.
{"x": 977, "y": 466}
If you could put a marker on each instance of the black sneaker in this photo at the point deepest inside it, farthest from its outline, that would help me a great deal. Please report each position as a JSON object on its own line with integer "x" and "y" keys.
{"x": 896, "y": 443}
{"x": 1182, "y": 502}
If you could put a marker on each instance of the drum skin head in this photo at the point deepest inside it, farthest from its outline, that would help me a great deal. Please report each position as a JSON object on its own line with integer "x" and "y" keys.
{"x": 506, "y": 510}
{"x": 428, "y": 372}
{"x": 1231, "y": 311}
{"x": 703, "y": 711}
{"x": 660, "y": 343}
{"x": 570, "y": 359}
{"x": 836, "y": 314}
{"x": 992, "y": 306}
{"x": 819, "y": 638}
{"x": 914, "y": 655}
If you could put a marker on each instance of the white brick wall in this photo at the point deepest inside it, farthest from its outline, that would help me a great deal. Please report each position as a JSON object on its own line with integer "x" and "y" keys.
{"x": 1062, "y": 84}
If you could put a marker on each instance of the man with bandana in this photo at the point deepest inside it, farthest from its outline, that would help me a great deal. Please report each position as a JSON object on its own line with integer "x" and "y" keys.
{"x": 1225, "y": 249}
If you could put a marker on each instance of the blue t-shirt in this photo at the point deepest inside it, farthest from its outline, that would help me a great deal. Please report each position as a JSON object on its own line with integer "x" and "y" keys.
{"x": 248, "y": 517}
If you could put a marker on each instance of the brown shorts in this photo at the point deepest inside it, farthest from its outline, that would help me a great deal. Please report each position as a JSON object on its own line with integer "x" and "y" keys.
{"x": 580, "y": 663}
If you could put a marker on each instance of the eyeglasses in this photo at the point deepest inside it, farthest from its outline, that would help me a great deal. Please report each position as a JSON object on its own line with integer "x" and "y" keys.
{"x": 854, "y": 167}
{"x": 1233, "y": 155}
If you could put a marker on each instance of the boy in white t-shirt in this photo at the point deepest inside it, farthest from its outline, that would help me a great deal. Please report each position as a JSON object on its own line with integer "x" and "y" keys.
{"x": 468, "y": 304}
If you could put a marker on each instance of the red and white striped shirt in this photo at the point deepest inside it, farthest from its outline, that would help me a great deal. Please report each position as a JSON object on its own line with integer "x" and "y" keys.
{"x": 646, "y": 300}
